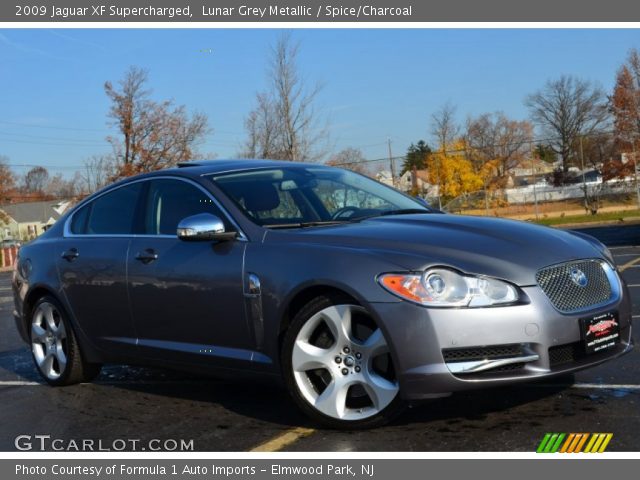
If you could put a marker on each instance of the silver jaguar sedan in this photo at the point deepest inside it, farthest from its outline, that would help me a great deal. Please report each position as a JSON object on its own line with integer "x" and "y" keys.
{"x": 360, "y": 298}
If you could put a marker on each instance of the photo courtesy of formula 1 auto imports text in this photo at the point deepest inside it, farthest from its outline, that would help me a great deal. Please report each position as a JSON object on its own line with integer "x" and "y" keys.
{"x": 260, "y": 239}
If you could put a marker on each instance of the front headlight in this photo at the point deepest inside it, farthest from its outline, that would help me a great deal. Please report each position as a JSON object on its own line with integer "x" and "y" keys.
{"x": 441, "y": 287}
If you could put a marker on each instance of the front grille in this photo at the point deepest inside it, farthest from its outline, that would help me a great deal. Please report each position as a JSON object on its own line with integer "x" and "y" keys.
{"x": 565, "y": 294}
{"x": 493, "y": 352}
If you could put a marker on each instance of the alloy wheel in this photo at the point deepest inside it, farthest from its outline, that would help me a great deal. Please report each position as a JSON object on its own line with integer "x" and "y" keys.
{"x": 49, "y": 341}
{"x": 342, "y": 365}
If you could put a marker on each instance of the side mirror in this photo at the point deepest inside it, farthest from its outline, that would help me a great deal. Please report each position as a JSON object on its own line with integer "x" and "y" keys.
{"x": 203, "y": 227}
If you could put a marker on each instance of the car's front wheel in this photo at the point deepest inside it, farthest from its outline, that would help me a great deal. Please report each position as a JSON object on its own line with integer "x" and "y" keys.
{"x": 55, "y": 348}
{"x": 338, "y": 366}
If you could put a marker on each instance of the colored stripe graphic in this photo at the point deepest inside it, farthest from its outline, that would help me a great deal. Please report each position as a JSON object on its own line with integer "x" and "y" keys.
{"x": 574, "y": 442}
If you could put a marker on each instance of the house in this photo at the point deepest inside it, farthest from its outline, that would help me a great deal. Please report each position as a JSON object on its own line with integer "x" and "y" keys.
{"x": 530, "y": 167}
{"x": 384, "y": 176}
{"x": 418, "y": 179}
{"x": 25, "y": 221}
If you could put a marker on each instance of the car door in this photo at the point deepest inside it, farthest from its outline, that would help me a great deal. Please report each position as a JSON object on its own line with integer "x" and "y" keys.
{"x": 92, "y": 262}
{"x": 186, "y": 296}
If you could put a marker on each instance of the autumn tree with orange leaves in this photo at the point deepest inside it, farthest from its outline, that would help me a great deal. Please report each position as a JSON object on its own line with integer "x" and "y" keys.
{"x": 153, "y": 135}
{"x": 452, "y": 171}
{"x": 625, "y": 107}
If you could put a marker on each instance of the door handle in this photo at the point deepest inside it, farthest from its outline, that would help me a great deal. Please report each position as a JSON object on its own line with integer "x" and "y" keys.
{"x": 147, "y": 256}
{"x": 71, "y": 254}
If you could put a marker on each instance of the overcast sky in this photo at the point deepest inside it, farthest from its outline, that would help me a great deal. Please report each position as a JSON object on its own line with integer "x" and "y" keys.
{"x": 378, "y": 83}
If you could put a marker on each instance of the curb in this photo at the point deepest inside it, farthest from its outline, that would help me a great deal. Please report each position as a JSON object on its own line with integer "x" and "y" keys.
{"x": 606, "y": 223}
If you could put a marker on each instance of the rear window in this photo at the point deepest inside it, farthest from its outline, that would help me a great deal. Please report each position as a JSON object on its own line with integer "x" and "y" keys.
{"x": 110, "y": 214}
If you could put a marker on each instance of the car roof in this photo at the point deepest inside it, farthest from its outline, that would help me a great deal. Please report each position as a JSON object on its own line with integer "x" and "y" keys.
{"x": 199, "y": 168}
{"x": 208, "y": 167}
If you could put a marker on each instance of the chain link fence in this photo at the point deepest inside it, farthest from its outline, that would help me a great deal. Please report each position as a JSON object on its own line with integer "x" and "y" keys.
{"x": 537, "y": 200}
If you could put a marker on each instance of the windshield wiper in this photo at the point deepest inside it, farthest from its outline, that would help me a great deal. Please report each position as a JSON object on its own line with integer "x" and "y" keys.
{"x": 400, "y": 211}
{"x": 304, "y": 224}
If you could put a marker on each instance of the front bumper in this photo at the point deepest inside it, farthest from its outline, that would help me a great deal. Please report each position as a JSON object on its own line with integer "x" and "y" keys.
{"x": 550, "y": 340}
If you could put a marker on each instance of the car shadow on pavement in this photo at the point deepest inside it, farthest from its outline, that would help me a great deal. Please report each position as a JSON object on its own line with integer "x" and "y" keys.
{"x": 269, "y": 402}
{"x": 263, "y": 401}
{"x": 478, "y": 404}
{"x": 253, "y": 399}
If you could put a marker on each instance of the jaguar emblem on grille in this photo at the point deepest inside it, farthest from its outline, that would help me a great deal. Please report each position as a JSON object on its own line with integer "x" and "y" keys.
{"x": 578, "y": 277}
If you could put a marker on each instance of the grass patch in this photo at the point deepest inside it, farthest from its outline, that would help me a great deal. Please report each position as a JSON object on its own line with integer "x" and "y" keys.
{"x": 587, "y": 218}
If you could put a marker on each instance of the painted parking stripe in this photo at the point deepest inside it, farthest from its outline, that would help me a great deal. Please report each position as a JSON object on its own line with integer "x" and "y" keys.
{"x": 17, "y": 383}
{"x": 607, "y": 386}
{"x": 281, "y": 441}
{"x": 629, "y": 264}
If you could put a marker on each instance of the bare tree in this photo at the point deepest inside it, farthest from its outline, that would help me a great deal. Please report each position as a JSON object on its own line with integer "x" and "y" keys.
{"x": 284, "y": 124}
{"x": 7, "y": 178}
{"x": 96, "y": 173}
{"x": 35, "y": 180}
{"x": 443, "y": 125}
{"x": 495, "y": 137}
{"x": 349, "y": 158}
{"x": 60, "y": 187}
{"x": 566, "y": 109}
{"x": 154, "y": 134}
{"x": 128, "y": 106}
{"x": 263, "y": 131}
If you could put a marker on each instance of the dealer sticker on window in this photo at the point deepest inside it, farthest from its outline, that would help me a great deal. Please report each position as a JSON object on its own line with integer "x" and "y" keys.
{"x": 600, "y": 332}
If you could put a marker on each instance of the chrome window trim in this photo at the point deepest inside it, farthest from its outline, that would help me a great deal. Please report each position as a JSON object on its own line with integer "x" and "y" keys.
{"x": 67, "y": 224}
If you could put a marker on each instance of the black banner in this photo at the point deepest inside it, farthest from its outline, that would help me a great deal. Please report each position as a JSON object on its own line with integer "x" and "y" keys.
{"x": 318, "y": 11}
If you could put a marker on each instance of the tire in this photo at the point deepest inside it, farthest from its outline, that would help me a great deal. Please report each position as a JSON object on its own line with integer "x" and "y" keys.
{"x": 337, "y": 367}
{"x": 54, "y": 346}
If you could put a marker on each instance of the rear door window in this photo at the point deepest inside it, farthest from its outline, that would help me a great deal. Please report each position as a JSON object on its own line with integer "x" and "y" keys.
{"x": 113, "y": 213}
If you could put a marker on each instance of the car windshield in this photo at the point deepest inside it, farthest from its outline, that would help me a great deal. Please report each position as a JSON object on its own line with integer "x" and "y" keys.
{"x": 297, "y": 196}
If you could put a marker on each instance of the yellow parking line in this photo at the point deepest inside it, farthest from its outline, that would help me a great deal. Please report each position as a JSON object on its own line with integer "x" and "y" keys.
{"x": 280, "y": 441}
{"x": 630, "y": 263}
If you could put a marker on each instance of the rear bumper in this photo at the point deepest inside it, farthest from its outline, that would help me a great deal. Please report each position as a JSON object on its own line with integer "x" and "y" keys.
{"x": 549, "y": 343}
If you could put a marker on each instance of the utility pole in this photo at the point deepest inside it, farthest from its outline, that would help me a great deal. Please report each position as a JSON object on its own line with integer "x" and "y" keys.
{"x": 535, "y": 180}
{"x": 584, "y": 182}
{"x": 391, "y": 164}
{"x": 635, "y": 170}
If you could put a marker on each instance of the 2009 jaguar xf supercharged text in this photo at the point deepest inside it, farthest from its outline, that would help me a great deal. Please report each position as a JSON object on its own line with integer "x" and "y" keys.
{"x": 358, "y": 296}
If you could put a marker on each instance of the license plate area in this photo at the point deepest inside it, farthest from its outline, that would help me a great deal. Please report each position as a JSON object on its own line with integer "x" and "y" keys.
{"x": 600, "y": 332}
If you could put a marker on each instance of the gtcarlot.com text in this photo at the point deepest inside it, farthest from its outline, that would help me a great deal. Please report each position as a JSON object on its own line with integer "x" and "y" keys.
{"x": 44, "y": 443}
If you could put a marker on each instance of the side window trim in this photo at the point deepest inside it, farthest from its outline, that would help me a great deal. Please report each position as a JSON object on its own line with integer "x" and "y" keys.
{"x": 141, "y": 209}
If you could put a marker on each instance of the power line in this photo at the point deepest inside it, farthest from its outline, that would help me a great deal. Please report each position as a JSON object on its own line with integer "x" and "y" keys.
{"x": 45, "y": 137}
{"x": 17, "y": 124}
{"x": 34, "y": 165}
{"x": 31, "y": 142}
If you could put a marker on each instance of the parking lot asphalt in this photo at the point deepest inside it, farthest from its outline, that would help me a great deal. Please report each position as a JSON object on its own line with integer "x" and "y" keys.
{"x": 131, "y": 403}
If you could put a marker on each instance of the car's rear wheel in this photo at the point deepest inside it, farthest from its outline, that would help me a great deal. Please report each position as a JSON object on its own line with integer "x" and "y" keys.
{"x": 338, "y": 366}
{"x": 55, "y": 348}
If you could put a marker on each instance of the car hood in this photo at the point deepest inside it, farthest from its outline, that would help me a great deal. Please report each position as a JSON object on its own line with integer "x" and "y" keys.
{"x": 506, "y": 249}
